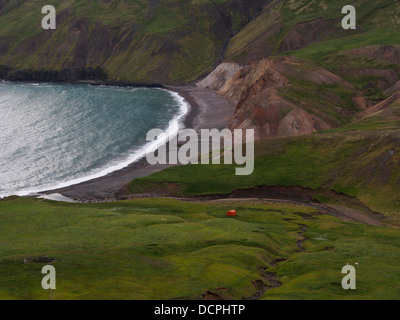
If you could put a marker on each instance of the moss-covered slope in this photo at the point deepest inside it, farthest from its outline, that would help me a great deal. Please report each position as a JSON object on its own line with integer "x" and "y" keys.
{"x": 153, "y": 41}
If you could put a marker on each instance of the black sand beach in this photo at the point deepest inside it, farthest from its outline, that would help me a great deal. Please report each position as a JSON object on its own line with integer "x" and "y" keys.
{"x": 208, "y": 110}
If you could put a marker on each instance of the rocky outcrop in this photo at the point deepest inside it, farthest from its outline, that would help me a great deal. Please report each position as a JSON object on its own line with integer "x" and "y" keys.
{"x": 259, "y": 93}
{"x": 216, "y": 79}
{"x": 252, "y": 80}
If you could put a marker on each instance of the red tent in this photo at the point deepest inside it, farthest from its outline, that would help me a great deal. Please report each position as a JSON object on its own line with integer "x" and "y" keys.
{"x": 232, "y": 213}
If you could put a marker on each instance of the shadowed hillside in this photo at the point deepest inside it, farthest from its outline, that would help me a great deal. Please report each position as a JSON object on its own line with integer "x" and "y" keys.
{"x": 137, "y": 41}
{"x": 166, "y": 41}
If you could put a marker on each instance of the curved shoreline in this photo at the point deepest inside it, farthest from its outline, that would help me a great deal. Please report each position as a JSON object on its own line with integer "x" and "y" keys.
{"x": 207, "y": 110}
{"x": 175, "y": 125}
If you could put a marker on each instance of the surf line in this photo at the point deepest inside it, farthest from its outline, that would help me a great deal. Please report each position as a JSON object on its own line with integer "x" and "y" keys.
{"x": 175, "y": 125}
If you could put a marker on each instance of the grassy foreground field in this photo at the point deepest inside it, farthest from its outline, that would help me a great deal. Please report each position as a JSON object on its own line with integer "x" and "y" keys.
{"x": 169, "y": 249}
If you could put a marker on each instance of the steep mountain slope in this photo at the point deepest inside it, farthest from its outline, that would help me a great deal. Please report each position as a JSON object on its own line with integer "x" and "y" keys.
{"x": 153, "y": 41}
{"x": 367, "y": 56}
{"x": 176, "y": 41}
{"x": 287, "y": 96}
{"x": 337, "y": 76}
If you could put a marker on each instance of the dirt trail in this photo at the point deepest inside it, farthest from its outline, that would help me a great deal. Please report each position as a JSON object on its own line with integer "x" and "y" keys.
{"x": 338, "y": 211}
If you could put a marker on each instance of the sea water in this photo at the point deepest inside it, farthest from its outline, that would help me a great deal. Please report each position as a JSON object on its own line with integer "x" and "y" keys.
{"x": 56, "y": 135}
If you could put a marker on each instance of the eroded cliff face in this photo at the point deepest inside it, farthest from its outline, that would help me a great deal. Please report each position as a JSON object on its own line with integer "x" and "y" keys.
{"x": 338, "y": 76}
{"x": 286, "y": 96}
{"x": 217, "y": 79}
{"x": 143, "y": 42}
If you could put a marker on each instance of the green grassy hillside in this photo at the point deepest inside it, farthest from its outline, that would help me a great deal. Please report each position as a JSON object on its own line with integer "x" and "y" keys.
{"x": 377, "y": 22}
{"x": 170, "y": 249}
{"x": 154, "y": 41}
{"x": 167, "y": 249}
{"x": 171, "y": 41}
{"x": 359, "y": 160}
{"x": 312, "y": 31}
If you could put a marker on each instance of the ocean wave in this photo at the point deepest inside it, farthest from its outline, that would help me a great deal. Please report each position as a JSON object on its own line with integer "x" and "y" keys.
{"x": 175, "y": 125}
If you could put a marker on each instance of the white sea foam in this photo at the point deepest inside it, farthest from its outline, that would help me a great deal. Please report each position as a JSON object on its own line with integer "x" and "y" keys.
{"x": 175, "y": 126}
